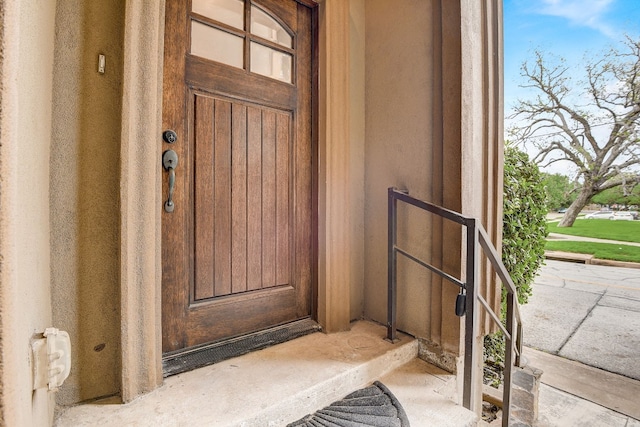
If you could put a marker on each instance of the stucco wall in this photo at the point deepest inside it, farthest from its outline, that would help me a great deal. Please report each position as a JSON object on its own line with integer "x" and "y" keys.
{"x": 25, "y": 129}
{"x": 482, "y": 122}
{"x": 433, "y": 126}
{"x": 399, "y": 85}
{"x": 357, "y": 149}
{"x": 85, "y": 193}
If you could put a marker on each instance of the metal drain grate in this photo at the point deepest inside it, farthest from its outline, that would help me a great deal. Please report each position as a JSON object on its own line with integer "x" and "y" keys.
{"x": 209, "y": 354}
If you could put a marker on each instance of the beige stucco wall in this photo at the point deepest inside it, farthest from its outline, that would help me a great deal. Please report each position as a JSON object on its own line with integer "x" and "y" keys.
{"x": 357, "y": 33}
{"x": 433, "y": 126}
{"x": 335, "y": 217}
{"x": 399, "y": 85}
{"x": 482, "y": 122}
{"x": 85, "y": 202}
{"x": 25, "y": 129}
{"x": 141, "y": 199}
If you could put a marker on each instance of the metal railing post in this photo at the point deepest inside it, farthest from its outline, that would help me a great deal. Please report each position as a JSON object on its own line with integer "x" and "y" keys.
{"x": 392, "y": 293}
{"x": 508, "y": 361}
{"x": 471, "y": 318}
{"x": 518, "y": 361}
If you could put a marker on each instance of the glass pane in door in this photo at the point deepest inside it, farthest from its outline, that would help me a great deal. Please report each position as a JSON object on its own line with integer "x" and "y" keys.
{"x": 270, "y": 62}
{"x": 230, "y": 12}
{"x": 264, "y": 26}
{"x": 217, "y": 45}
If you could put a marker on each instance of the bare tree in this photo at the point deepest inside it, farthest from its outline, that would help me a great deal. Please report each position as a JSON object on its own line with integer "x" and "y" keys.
{"x": 595, "y": 126}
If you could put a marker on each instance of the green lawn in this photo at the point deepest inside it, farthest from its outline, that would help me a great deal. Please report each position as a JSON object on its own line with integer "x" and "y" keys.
{"x": 626, "y": 231}
{"x": 599, "y": 250}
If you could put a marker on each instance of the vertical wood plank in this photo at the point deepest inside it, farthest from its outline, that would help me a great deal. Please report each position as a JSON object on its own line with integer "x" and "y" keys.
{"x": 203, "y": 197}
{"x": 222, "y": 198}
{"x": 254, "y": 198}
{"x": 268, "y": 198}
{"x": 283, "y": 182}
{"x": 239, "y": 199}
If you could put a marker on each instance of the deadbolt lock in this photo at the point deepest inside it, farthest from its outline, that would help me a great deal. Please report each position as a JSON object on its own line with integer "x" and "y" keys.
{"x": 169, "y": 136}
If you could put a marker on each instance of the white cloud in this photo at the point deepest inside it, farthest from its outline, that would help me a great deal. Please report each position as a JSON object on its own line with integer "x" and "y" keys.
{"x": 587, "y": 13}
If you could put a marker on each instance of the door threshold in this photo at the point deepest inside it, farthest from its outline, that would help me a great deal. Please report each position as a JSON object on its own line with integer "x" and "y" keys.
{"x": 208, "y": 354}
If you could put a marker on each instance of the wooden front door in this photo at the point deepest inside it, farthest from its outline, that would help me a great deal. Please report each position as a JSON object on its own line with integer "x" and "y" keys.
{"x": 237, "y": 247}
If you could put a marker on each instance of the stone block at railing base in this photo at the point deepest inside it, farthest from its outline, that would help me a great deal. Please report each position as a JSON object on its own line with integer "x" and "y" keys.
{"x": 524, "y": 394}
{"x": 524, "y": 397}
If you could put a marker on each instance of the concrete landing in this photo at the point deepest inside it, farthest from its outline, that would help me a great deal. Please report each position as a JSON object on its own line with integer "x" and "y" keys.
{"x": 426, "y": 394}
{"x": 281, "y": 384}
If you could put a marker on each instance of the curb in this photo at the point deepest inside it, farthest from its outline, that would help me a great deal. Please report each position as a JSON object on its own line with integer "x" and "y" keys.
{"x": 587, "y": 259}
{"x": 611, "y": 263}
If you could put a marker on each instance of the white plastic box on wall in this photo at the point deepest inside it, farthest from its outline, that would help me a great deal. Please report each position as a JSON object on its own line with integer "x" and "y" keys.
{"x": 51, "y": 359}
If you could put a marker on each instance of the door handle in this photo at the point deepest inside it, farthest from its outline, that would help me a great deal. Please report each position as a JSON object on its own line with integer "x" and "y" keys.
{"x": 169, "y": 162}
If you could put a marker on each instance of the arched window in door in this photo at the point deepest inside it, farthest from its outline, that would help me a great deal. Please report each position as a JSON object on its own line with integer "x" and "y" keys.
{"x": 244, "y": 35}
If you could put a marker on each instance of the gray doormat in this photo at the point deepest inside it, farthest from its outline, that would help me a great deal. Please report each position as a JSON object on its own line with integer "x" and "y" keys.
{"x": 373, "y": 406}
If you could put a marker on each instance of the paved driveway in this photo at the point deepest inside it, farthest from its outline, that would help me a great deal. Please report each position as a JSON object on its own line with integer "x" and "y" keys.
{"x": 587, "y": 313}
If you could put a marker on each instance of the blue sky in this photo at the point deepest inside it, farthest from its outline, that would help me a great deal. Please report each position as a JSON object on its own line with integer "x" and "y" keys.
{"x": 569, "y": 29}
{"x": 566, "y": 28}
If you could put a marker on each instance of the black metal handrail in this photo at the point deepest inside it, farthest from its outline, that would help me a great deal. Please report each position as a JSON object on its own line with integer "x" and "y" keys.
{"x": 476, "y": 236}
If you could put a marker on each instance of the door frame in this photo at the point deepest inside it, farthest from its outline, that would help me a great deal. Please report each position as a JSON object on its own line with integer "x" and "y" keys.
{"x": 141, "y": 185}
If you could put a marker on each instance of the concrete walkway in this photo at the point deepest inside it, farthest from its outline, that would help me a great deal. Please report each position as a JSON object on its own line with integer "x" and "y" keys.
{"x": 588, "y": 314}
{"x": 558, "y": 236}
{"x": 603, "y": 398}
{"x": 561, "y": 409}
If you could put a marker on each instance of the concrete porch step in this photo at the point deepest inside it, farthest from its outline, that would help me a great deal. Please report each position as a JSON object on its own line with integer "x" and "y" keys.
{"x": 281, "y": 384}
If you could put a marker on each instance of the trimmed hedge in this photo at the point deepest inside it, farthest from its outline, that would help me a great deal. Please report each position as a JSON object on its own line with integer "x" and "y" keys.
{"x": 524, "y": 235}
{"x": 524, "y": 229}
